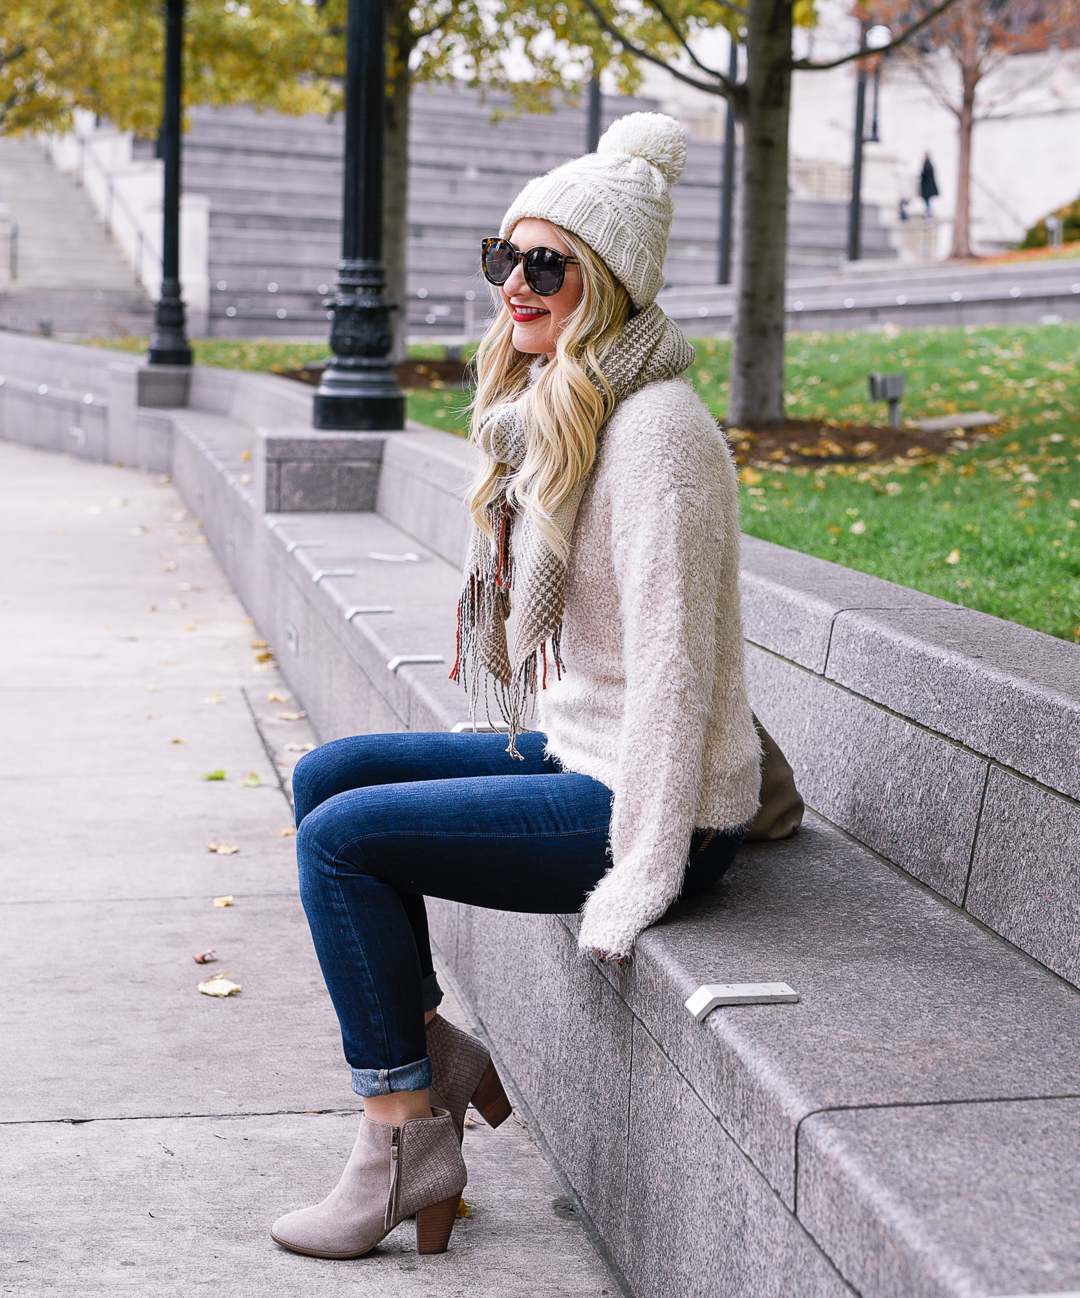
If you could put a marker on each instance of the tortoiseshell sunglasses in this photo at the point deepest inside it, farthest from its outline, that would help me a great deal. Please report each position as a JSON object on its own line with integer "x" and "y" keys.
{"x": 544, "y": 267}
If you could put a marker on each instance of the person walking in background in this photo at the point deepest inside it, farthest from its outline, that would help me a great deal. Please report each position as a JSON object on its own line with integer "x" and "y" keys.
{"x": 927, "y": 183}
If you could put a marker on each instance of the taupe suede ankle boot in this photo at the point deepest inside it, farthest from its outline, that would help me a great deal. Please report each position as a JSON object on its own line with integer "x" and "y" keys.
{"x": 392, "y": 1173}
{"x": 462, "y": 1073}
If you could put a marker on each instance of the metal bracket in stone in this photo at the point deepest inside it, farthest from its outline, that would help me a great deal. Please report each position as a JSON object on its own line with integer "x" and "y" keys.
{"x": 475, "y": 727}
{"x": 362, "y": 610}
{"x": 303, "y": 545}
{"x": 404, "y": 660}
{"x": 710, "y": 995}
{"x": 332, "y": 572}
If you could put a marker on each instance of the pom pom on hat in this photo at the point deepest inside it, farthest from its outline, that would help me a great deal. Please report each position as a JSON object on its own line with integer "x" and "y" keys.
{"x": 657, "y": 138}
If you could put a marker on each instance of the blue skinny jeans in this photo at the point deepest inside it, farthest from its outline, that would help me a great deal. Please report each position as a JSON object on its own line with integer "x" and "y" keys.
{"x": 385, "y": 820}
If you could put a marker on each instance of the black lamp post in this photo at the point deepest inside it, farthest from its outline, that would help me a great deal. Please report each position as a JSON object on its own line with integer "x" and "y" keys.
{"x": 854, "y": 241}
{"x": 359, "y": 389}
{"x": 596, "y": 105}
{"x": 869, "y": 40}
{"x": 727, "y": 180}
{"x": 169, "y": 345}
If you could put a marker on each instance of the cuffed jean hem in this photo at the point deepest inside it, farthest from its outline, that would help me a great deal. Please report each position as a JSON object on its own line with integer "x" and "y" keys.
{"x": 384, "y": 1081}
{"x": 431, "y": 992}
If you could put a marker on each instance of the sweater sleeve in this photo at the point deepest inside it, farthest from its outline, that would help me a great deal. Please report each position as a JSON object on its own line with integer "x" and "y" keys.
{"x": 673, "y": 517}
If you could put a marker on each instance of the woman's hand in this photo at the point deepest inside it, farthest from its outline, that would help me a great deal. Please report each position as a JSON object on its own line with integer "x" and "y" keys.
{"x": 606, "y": 957}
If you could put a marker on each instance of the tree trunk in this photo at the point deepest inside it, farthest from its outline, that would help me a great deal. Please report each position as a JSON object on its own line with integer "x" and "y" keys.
{"x": 961, "y": 240}
{"x": 757, "y": 353}
{"x": 396, "y": 171}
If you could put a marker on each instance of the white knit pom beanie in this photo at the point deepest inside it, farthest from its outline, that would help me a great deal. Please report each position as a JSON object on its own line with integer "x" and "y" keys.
{"x": 617, "y": 199}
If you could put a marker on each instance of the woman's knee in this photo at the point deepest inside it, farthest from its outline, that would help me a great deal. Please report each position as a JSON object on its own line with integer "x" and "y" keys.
{"x": 308, "y": 775}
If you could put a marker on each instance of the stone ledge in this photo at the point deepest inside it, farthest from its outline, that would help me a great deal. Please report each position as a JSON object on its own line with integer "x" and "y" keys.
{"x": 998, "y": 688}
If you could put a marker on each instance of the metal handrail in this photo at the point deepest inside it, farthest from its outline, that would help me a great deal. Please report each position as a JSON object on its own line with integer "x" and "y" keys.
{"x": 113, "y": 195}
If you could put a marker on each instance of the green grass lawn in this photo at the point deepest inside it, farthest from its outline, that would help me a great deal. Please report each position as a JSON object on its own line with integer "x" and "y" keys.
{"x": 993, "y": 527}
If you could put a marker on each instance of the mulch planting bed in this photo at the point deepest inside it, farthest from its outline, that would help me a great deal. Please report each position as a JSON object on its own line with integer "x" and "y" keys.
{"x": 815, "y": 441}
{"x": 410, "y": 374}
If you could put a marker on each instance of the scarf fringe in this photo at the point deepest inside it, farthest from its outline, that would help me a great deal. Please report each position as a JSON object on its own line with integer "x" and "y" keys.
{"x": 514, "y": 698}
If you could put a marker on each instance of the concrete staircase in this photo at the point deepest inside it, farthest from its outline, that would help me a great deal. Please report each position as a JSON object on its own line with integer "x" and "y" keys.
{"x": 274, "y": 185}
{"x": 70, "y": 277}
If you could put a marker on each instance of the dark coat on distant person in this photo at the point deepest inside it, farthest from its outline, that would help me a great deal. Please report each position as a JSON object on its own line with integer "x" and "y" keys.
{"x": 927, "y": 181}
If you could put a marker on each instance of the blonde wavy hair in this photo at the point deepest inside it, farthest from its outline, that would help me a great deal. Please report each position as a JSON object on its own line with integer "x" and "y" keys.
{"x": 562, "y": 412}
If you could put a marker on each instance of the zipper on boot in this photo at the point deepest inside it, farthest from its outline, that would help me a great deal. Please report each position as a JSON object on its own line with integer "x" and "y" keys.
{"x": 389, "y": 1221}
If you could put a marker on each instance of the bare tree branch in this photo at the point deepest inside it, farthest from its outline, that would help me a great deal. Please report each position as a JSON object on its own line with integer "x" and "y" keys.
{"x": 930, "y": 81}
{"x": 11, "y": 57}
{"x": 659, "y": 7}
{"x": 804, "y": 65}
{"x": 723, "y": 86}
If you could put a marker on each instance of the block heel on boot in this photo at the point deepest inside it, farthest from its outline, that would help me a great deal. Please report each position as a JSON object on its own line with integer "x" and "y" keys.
{"x": 490, "y": 1099}
{"x": 435, "y": 1224}
{"x": 462, "y": 1074}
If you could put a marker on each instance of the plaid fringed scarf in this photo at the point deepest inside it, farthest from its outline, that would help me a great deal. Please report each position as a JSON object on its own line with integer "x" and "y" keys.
{"x": 521, "y": 565}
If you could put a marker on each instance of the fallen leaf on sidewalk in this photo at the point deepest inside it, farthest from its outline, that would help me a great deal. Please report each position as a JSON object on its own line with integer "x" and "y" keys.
{"x": 286, "y": 833}
{"x": 245, "y": 455}
{"x": 222, "y": 849}
{"x": 275, "y": 697}
{"x": 291, "y": 716}
{"x": 155, "y": 689}
{"x": 176, "y": 741}
{"x": 219, "y": 985}
{"x": 205, "y": 957}
{"x": 252, "y": 781}
{"x": 219, "y": 774}
{"x": 151, "y": 716}
{"x": 214, "y": 698}
{"x": 171, "y": 566}
{"x": 463, "y": 1209}
{"x": 265, "y": 656}
{"x": 223, "y": 901}
{"x": 140, "y": 530}
{"x": 258, "y": 644}
{"x": 294, "y": 747}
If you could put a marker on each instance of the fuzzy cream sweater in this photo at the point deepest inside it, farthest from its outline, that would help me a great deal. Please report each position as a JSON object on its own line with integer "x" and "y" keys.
{"x": 653, "y": 699}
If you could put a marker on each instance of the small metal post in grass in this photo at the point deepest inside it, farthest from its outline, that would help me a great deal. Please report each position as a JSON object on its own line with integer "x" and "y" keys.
{"x": 890, "y": 388}
{"x": 359, "y": 388}
{"x": 169, "y": 345}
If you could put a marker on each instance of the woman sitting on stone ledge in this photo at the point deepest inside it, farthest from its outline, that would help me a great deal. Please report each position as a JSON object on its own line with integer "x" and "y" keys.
{"x": 606, "y": 511}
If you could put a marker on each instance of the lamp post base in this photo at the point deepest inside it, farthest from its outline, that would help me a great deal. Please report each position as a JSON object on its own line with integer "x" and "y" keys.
{"x": 359, "y": 389}
{"x": 359, "y": 399}
{"x": 169, "y": 345}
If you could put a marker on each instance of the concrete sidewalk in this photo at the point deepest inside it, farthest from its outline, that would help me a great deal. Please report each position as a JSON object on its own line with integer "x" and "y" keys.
{"x": 151, "y": 1134}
